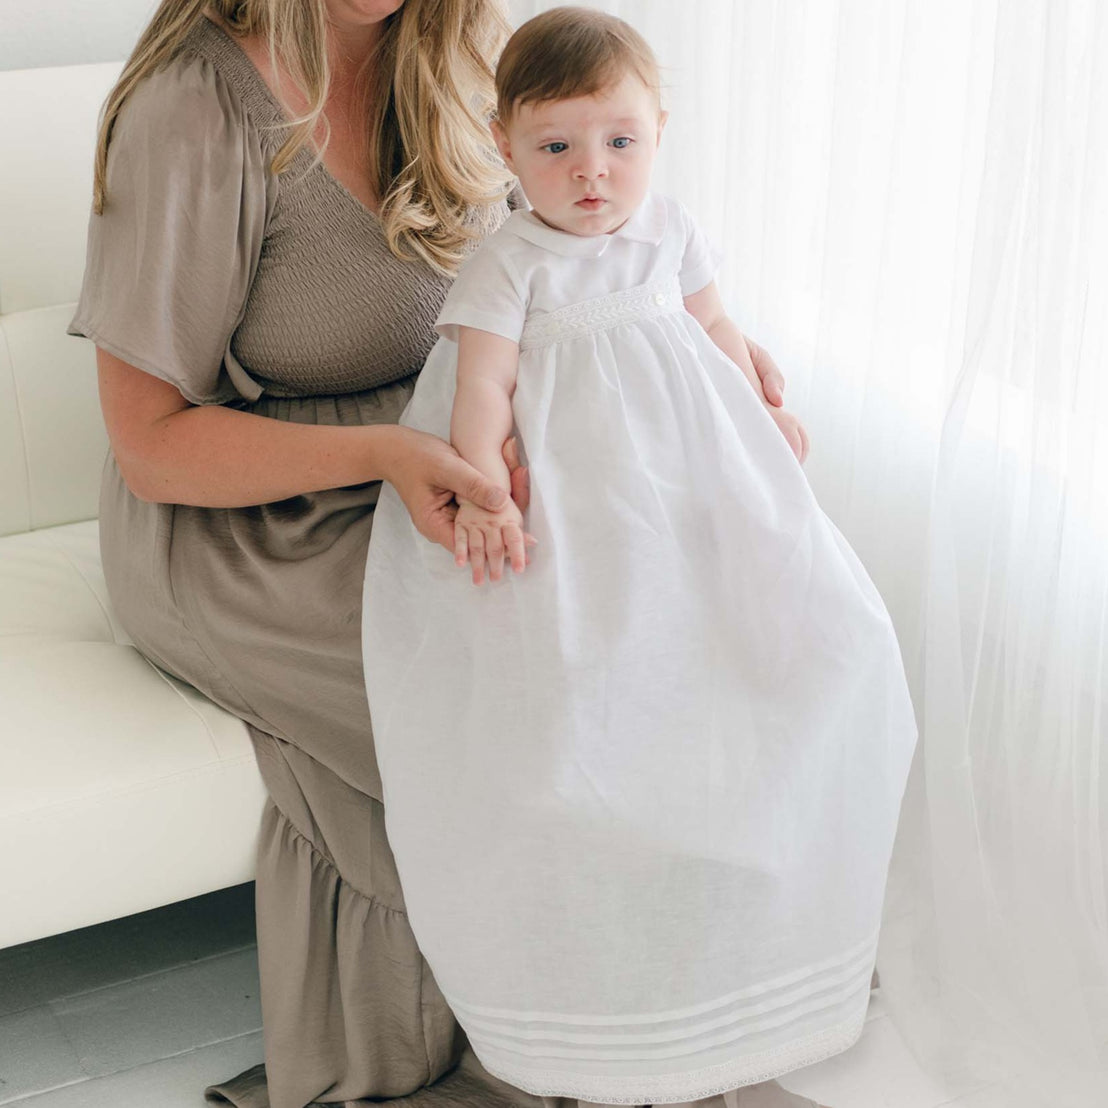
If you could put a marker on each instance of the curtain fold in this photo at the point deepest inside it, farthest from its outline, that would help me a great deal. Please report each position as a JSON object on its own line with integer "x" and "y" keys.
{"x": 912, "y": 196}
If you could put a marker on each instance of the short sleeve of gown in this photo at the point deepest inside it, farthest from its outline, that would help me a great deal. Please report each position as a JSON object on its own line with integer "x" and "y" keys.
{"x": 489, "y": 293}
{"x": 171, "y": 260}
{"x": 700, "y": 259}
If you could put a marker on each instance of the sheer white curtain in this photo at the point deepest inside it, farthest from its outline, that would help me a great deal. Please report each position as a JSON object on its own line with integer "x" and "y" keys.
{"x": 913, "y": 200}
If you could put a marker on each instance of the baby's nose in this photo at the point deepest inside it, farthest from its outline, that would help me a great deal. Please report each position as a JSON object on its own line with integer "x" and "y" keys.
{"x": 591, "y": 167}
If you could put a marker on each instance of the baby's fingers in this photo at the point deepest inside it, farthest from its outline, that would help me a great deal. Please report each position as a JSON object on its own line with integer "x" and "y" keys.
{"x": 477, "y": 554}
{"x": 517, "y": 552}
{"x": 461, "y": 545}
{"x": 494, "y": 549}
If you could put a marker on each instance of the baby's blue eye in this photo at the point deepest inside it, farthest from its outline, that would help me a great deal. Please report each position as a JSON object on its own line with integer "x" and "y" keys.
{"x": 622, "y": 142}
{"x": 556, "y": 147}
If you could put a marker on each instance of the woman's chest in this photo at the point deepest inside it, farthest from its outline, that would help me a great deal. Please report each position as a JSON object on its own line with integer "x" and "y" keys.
{"x": 331, "y": 309}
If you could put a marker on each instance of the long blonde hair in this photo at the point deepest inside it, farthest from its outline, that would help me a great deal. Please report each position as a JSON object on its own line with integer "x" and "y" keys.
{"x": 430, "y": 91}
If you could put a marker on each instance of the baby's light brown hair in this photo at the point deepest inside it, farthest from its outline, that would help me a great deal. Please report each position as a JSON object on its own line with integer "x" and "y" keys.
{"x": 567, "y": 52}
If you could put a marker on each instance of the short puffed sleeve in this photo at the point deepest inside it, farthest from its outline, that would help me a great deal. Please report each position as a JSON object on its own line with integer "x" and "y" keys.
{"x": 171, "y": 260}
{"x": 489, "y": 293}
{"x": 701, "y": 258}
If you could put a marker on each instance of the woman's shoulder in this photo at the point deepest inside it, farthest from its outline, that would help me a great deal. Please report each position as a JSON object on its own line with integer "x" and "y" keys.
{"x": 202, "y": 97}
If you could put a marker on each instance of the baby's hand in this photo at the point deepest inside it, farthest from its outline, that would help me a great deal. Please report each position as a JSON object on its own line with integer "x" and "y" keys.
{"x": 480, "y": 534}
{"x": 792, "y": 429}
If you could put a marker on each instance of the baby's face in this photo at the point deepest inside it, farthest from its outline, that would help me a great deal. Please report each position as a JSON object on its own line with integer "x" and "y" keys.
{"x": 585, "y": 163}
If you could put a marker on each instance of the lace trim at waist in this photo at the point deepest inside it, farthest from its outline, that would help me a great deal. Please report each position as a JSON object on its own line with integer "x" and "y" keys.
{"x": 587, "y": 317}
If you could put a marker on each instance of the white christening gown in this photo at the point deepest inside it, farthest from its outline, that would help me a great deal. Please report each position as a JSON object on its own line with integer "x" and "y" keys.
{"x": 642, "y": 796}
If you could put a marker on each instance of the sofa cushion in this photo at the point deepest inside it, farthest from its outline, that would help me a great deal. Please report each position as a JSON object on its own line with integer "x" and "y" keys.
{"x": 120, "y": 787}
{"x": 48, "y": 119}
{"x": 52, "y": 437}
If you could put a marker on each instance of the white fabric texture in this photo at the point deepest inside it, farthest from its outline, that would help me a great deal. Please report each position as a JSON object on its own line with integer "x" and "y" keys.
{"x": 642, "y": 797}
{"x": 511, "y": 283}
{"x": 910, "y": 197}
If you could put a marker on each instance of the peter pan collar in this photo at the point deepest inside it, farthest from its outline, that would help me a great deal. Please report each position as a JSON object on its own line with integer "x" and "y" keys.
{"x": 647, "y": 223}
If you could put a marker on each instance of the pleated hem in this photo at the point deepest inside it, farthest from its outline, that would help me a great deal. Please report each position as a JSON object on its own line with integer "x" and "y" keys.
{"x": 687, "y": 1087}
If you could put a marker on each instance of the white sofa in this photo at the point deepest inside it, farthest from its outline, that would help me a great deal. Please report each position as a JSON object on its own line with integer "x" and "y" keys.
{"x": 120, "y": 788}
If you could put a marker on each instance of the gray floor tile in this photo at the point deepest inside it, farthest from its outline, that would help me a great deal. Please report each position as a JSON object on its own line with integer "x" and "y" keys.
{"x": 176, "y": 1082}
{"x": 33, "y": 974}
{"x": 162, "y": 1014}
{"x": 34, "y": 1054}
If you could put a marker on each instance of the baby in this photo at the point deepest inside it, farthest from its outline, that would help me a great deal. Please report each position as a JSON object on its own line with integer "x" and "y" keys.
{"x": 582, "y": 141}
{"x": 641, "y": 796}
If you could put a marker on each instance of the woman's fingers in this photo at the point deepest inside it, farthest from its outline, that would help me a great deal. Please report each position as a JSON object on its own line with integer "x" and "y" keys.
{"x": 773, "y": 385}
{"x": 518, "y": 474}
{"x": 773, "y": 381}
{"x": 457, "y": 477}
{"x": 520, "y": 478}
{"x": 438, "y": 524}
{"x": 795, "y": 441}
{"x": 475, "y": 486}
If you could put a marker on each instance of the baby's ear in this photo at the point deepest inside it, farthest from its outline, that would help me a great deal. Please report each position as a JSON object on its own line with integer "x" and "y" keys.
{"x": 500, "y": 137}
{"x": 662, "y": 117}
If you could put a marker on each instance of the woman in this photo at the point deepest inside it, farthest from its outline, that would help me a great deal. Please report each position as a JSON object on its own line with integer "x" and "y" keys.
{"x": 283, "y": 190}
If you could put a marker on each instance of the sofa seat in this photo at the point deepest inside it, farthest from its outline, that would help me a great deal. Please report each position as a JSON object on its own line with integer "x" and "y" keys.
{"x": 120, "y": 787}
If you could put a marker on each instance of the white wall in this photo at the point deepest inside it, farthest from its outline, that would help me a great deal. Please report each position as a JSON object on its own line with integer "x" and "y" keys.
{"x": 35, "y": 33}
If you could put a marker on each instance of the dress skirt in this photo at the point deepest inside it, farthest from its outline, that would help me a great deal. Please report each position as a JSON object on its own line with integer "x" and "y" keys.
{"x": 642, "y": 796}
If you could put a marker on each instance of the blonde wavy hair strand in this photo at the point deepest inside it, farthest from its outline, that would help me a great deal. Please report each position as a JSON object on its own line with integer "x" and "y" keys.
{"x": 430, "y": 88}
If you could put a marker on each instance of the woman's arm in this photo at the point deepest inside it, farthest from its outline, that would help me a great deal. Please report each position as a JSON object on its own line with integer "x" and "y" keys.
{"x": 174, "y": 452}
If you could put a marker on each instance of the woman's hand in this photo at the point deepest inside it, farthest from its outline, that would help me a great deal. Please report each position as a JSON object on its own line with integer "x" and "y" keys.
{"x": 773, "y": 382}
{"x": 428, "y": 473}
{"x": 792, "y": 429}
{"x": 519, "y": 474}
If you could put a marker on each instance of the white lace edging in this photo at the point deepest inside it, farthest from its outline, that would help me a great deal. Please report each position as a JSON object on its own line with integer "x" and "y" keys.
{"x": 679, "y": 1088}
{"x": 601, "y": 312}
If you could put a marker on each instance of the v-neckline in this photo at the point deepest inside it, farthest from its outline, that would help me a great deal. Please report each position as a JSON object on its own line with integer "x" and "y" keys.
{"x": 306, "y": 152}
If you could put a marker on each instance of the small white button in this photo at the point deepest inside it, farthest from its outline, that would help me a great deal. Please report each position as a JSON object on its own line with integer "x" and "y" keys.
{"x": 659, "y": 298}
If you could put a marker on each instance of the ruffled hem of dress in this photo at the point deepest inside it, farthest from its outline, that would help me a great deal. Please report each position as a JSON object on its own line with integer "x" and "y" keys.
{"x": 247, "y": 1090}
{"x": 362, "y": 1053}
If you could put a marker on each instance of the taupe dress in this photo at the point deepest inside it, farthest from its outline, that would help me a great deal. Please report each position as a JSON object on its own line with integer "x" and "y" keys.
{"x": 277, "y": 297}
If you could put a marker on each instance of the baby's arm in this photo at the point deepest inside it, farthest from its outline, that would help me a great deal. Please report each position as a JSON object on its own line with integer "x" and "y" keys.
{"x": 707, "y": 309}
{"x": 480, "y": 423}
